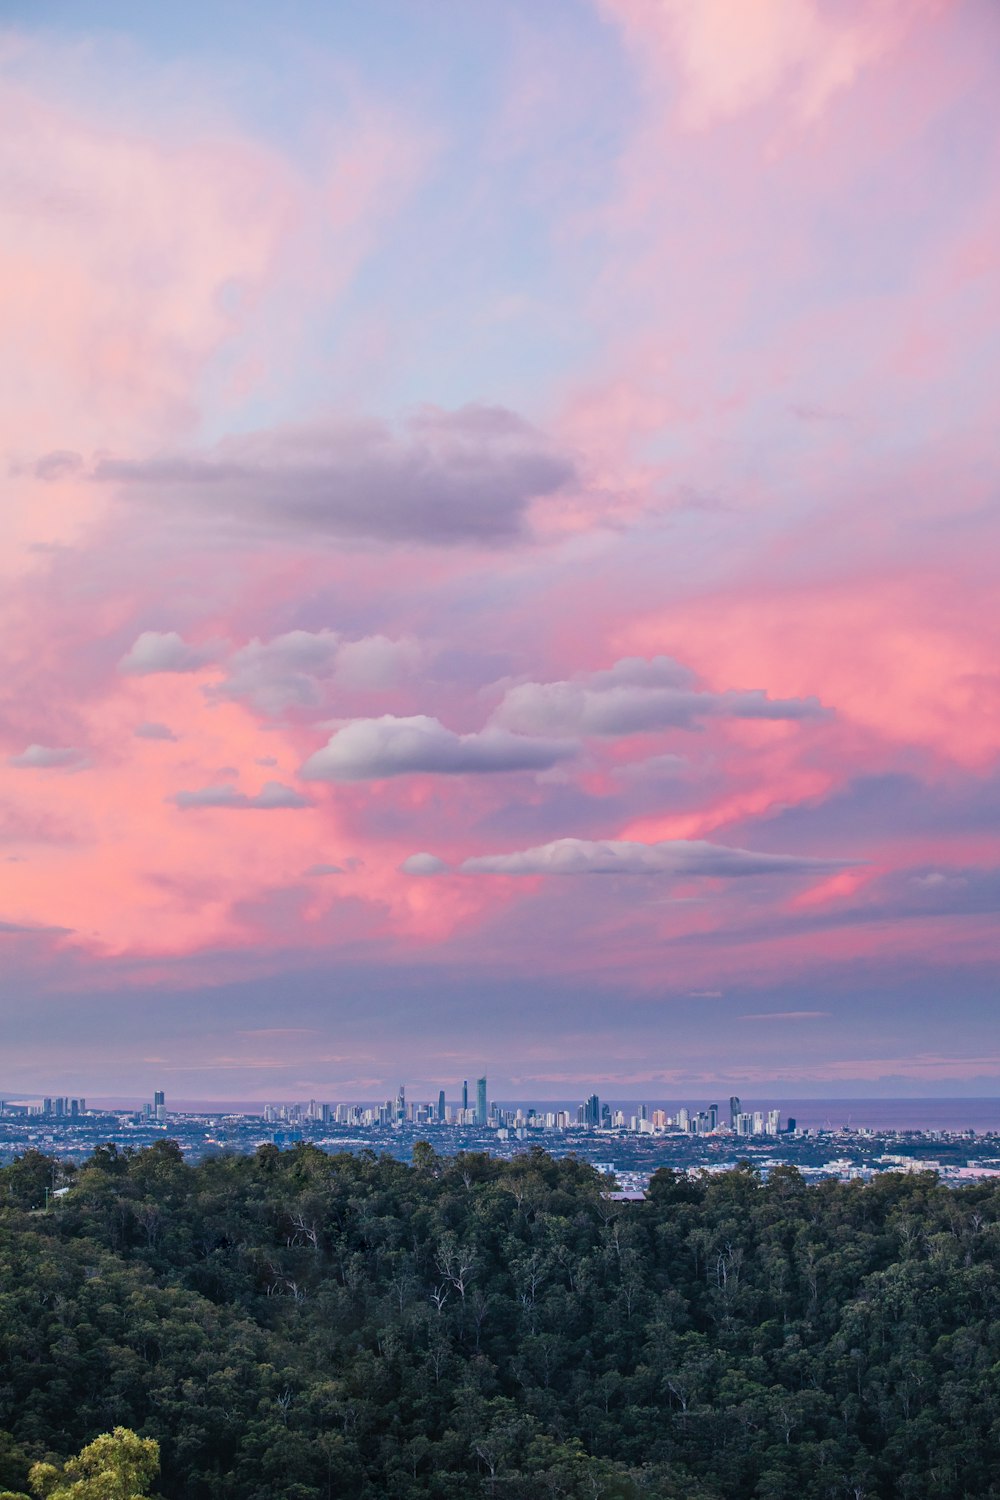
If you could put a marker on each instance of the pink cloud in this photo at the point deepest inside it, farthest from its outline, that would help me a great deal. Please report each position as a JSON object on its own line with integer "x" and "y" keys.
{"x": 740, "y": 558}
{"x": 732, "y": 57}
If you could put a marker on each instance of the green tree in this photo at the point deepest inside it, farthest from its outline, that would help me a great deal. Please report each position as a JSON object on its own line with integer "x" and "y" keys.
{"x": 118, "y": 1465}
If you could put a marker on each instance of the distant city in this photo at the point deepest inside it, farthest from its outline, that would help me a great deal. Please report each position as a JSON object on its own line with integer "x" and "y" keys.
{"x": 483, "y": 1114}
{"x": 522, "y": 1121}
{"x": 627, "y": 1142}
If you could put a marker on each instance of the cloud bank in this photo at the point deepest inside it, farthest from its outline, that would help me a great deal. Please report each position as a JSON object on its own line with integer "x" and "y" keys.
{"x": 446, "y": 477}
{"x": 634, "y": 696}
{"x": 680, "y": 857}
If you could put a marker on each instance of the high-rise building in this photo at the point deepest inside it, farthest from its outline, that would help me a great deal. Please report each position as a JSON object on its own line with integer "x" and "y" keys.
{"x": 465, "y": 1093}
{"x": 441, "y": 1107}
{"x": 735, "y": 1110}
{"x": 400, "y": 1108}
{"x": 713, "y": 1116}
{"x": 481, "y": 1111}
{"x": 593, "y": 1112}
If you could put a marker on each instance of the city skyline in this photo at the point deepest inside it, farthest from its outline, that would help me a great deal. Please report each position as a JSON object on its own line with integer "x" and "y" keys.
{"x": 498, "y": 548}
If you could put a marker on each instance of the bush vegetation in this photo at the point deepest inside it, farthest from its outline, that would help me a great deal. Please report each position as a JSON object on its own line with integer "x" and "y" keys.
{"x": 317, "y": 1327}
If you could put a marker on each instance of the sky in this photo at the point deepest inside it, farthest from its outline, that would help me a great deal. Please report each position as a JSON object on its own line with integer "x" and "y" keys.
{"x": 499, "y": 547}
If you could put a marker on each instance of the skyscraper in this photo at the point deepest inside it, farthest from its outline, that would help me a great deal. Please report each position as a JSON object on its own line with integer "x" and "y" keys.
{"x": 734, "y": 1110}
{"x": 593, "y": 1115}
{"x": 465, "y": 1093}
{"x": 441, "y": 1107}
{"x": 481, "y": 1100}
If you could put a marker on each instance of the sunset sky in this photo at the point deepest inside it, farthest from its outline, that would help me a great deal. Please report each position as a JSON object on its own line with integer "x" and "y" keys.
{"x": 500, "y": 547}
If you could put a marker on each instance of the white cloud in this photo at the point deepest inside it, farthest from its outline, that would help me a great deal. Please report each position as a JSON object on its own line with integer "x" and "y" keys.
{"x": 282, "y": 673}
{"x": 371, "y": 749}
{"x": 49, "y": 758}
{"x": 423, "y": 864}
{"x": 163, "y": 651}
{"x": 295, "y": 670}
{"x": 272, "y": 795}
{"x": 784, "y": 1015}
{"x": 679, "y": 857}
{"x": 375, "y": 661}
{"x": 636, "y": 695}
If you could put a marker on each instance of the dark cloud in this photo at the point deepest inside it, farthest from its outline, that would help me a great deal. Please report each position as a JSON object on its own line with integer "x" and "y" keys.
{"x": 634, "y": 696}
{"x": 273, "y": 795}
{"x": 153, "y": 731}
{"x": 887, "y": 806}
{"x": 680, "y": 857}
{"x": 34, "y": 929}
{"x": 372, "y": 749}
{"x": 61, "y": 463}
{"x": 446, "y": 477}
{"x": 920, "y": 894}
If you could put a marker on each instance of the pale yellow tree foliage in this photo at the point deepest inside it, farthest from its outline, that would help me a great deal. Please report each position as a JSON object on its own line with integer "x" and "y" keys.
{"x": 118, "y": 1465}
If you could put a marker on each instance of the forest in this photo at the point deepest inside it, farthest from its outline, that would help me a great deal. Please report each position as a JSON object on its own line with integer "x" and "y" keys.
{"x": 349, "y": 1327}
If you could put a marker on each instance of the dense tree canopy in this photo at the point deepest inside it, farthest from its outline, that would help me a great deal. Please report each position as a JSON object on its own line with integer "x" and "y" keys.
{"x": 317, "y": 1327}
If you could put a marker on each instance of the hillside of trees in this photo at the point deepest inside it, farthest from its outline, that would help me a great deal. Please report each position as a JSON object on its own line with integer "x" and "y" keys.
{"x": 317, "y": 1327}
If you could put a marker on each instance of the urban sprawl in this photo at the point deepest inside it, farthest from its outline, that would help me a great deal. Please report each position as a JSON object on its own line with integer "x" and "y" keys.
{"x": 627, "y": 1142}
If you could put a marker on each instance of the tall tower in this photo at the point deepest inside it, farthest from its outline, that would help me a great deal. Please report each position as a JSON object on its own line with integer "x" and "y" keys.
{"x": 734, "y": 1111}
{"x": 441, "y": 1107}
{"x": 465, "y": 1093}
{"x": 481, "y": 1100}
